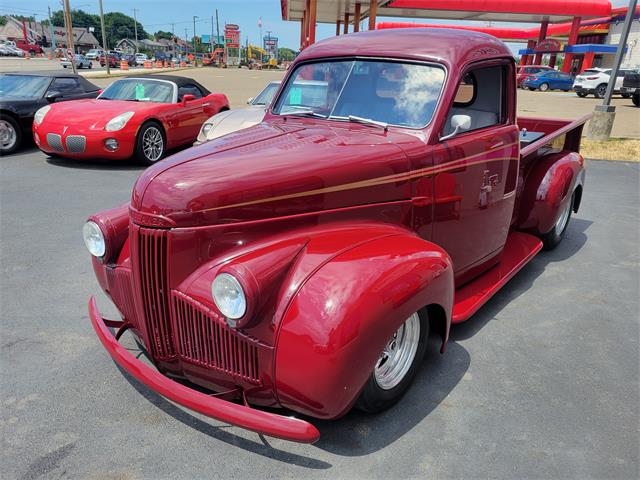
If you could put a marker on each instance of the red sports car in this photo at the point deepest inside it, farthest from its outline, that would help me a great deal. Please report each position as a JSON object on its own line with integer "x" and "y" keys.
{"x": 141, "y": 117}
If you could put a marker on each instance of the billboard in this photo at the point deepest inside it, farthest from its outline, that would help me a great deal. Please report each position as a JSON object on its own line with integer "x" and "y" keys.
{"x": 270, "y": 44}
{"x": 232, "y": 35}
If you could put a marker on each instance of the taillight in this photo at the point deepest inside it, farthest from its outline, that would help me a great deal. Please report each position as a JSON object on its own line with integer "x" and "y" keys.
{"x": 592, "y": 78}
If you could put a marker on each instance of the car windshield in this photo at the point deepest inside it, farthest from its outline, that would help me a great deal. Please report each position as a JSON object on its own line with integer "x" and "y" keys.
{"x": 392, "y": 93}
{"x": 139, "y": 90}
{"x": 266, "y": 95}
{"x": 23, "y": 86}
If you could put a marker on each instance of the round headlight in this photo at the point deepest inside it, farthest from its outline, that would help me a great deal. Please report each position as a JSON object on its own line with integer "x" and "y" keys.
{"x": 229, "y": 296}
{"x": 39, "y": 115}
{"x": 206, "y": 128}
{"x": 94, "y": 239}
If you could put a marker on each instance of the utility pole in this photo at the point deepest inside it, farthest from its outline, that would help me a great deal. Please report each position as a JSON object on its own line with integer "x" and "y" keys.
{"x": 194, "y": 34}
{"x": 69, "y": 34}
{"x": 211, "y": 34}
{"x": 186, "y": 39}
{"x": 53, "y": 37}
{"x": 217, "y": 32}
{"x": 104, "y": 40}
{"x": 135, "y": 27}
{"x": 602, "y": 121}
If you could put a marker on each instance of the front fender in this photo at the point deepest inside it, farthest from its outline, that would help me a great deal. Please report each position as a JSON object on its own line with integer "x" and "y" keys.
{"x": 339, "y": 320}
{"x": 548, "y": 186}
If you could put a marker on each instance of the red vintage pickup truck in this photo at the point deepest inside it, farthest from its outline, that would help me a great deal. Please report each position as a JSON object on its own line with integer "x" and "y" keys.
{"x": 301, "y": 263}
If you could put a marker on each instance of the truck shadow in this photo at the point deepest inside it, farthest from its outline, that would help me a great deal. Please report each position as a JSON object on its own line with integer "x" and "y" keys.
{"x": 359, "y": 433}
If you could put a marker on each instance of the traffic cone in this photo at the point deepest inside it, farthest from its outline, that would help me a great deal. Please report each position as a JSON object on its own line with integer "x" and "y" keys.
{"x": 124, "y": 65}
{"x": 166, "y": 64}
{"x": 27, "y": 55}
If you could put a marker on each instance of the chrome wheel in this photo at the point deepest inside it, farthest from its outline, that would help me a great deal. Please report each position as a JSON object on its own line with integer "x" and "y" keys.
{"x": 561, "y": 223}
{"x": 8, "y": 135}
{"x": 398, "y": 354}
{"x": 152, "y": 144}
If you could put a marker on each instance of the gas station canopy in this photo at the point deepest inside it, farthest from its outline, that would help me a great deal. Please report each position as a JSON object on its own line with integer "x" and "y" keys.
{"x": 533, "y": 11}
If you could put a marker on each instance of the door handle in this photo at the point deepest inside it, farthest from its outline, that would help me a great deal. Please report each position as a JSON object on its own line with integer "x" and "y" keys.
{"x": 497, "y": 145}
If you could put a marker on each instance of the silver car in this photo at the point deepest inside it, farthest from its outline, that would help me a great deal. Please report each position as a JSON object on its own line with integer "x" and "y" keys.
{"x": 81, "y": 62}
{"x": 233, "y": 120}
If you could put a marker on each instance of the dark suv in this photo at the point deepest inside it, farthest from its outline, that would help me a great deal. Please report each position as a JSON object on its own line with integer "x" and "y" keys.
{"x": 631, "y": 86}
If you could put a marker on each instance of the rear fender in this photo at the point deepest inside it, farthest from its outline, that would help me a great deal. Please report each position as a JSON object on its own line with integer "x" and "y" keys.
{"x": 337, "y": 323}
{"x": 548, "y": 186}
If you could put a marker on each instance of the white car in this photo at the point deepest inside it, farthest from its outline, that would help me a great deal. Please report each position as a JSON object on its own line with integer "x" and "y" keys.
{"x": 141, "y": 58}
{"x": 230, "y": 121}
{"x": 94, "y": 54}
{"x": 595, "y": 81}
{"x": 81, "y": 62}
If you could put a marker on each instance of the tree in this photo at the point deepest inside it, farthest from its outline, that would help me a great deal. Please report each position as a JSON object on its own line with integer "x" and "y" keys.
{"x": 286, "y": 54}
{"x": 162, "y": 34}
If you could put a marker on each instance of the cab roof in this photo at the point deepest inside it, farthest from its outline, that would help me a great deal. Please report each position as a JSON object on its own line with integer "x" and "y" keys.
{"x": 449, "y": 46}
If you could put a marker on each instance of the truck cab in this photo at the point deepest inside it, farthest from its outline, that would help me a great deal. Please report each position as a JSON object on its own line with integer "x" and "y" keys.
{"x": 303, "y": 262}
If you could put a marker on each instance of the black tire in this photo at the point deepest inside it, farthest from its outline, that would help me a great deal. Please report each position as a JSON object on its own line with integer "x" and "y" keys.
{"x": 626, "y": 95}
{"x": 90, "y": 65}
{"x": 11, "y": 124}
{"x": 581, "y": 94}
{"x": 531, "y": 88}
{"x": 600, "y": 90}
{"x": 552, "y": 238}
{"x": 636, "y": 99}
{"x": 543, "y": 87}
{"x": 145, "y": 130}
{"x": 375, "y": 399}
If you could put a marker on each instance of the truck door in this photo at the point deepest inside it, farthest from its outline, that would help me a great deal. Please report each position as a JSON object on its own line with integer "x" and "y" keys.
{"x": 475, "y": 171}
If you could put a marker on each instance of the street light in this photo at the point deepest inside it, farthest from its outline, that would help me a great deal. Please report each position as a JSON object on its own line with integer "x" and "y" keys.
{"x": 194, "y": 34}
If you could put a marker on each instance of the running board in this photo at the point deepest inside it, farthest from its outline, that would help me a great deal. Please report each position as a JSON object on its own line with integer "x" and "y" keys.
{"x": 518, "y": 250}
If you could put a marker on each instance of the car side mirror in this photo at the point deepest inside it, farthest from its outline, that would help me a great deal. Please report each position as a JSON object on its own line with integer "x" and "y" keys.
{"x": 459, "y": 123}
{"x": 249, "y": 100}
{"x": 53, "y": 95}
{"x": 187, "y": 98}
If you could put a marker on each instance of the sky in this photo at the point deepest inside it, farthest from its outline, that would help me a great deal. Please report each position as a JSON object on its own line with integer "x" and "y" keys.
{"x": 159, "y": 14}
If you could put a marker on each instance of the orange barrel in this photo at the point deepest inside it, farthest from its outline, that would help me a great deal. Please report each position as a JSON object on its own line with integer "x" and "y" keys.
{"x": 27, "y": 55}
{"x": 183, "y": 64}
{"x": 49, "y": 56}
{"x": 166, "y": 64}
{"x": 124, "y": 65}
{"x": 159, "y": 64}
{"x": 147, "y": 64}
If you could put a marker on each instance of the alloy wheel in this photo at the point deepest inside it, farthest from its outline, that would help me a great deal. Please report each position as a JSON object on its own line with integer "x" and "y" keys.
{"x": 8, "y": 136}
{"x": 398, "y": 354}
{"x": 152, "y": 144}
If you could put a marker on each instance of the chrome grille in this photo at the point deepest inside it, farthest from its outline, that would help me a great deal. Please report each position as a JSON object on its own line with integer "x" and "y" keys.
{"x": 76, "y": 143}
{"x": 202, "y": 338}
{"x": 55, "y": 142}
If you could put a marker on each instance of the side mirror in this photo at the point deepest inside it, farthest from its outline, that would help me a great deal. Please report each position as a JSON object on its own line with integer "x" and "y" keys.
{"x": 187, "y": 98}
{"x": 249, "y": 100}
{"x": 459, "y": 123}
{"x": 53, "y": 95}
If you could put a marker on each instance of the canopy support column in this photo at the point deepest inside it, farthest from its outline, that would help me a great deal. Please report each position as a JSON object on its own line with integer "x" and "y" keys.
{"x": 313, "y": 8}
{"x": 573, "y": 38}
{"x": 541, "y": 36}
{"x": 373, "y": 11}
{"x": 337, "y": 27}
{"x": 356, "y": 18}
{"x": 346, "y": 22}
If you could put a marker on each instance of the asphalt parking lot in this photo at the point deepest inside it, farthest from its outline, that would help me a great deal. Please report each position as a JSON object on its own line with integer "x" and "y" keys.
{"x": 541, "y": 383}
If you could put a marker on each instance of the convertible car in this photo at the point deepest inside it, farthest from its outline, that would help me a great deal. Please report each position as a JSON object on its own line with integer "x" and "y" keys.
{"x": 21, "y": 94}
{"x": 133, "y": 117}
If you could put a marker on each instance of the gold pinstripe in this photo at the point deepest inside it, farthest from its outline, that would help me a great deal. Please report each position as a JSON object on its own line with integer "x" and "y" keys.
{"x": 396, "y": 177}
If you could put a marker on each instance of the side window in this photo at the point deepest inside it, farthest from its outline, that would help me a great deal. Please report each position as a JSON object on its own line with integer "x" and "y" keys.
{"x": 189, "y": 89}
{"x": 481, "y": 95}
{"x": 66, "y": 86}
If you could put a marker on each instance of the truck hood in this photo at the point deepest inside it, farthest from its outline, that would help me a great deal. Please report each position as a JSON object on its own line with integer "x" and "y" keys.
{"x": 93, "y": 112}
{"x": 275, "y": 169}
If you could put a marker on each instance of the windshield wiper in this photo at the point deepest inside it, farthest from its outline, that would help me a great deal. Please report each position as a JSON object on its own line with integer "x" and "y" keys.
{"x": 303, "y": 112}
{"x": 368, "y": 121}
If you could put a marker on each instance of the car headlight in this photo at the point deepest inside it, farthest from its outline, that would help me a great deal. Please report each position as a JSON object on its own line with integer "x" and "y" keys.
{"x": 229, "y": 297}
{"x": 39, "y": 115}
{"x": 206, "y": 128}
{"x": 118, "y": 123}
{"x": 94, "y": 239}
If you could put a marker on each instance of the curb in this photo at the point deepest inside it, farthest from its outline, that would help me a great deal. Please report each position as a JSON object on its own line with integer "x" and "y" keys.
{"x": 127, "y": 73}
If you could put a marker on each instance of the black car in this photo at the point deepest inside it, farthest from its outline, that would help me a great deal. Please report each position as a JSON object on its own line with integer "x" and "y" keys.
{"x": 631, "y": 86}
{"x": 22, "y": 94}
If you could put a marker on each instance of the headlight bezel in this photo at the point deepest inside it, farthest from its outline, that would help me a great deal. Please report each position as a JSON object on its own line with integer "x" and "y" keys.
{"x": 100, "y": 249}
{"x": 206, "y": 128}
{"x": 38, "y": 117}
{"x": 223, "y": 281}
{"x": 118, "y": 122}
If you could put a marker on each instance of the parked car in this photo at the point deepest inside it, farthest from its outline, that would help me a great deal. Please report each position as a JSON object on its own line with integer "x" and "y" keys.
{"x": 631, "y": 86}
{"x": 31, "y": 48}
{"x": 527, "y": 71}
{"x": 114, "y": 60}
{"x": 141, "y": 117}
{"x": 11, "y": 49}
{"x": 549, "y": 80}
{"x": 94, "y": 53}
{"x": 130, "y": 59}
{"x": 595, "y": 80}
{"x": 302, "y": 262}
{"x": 22, "y": 94}
{"x": 141, "y": 58}
{"x": 237, "y": 119}
{"x": 5, "y": 52}
{"x": 81, "y": 62}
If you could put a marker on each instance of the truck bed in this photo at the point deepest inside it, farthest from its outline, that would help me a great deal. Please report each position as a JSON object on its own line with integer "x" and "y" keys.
{"x": 560, "y": 134}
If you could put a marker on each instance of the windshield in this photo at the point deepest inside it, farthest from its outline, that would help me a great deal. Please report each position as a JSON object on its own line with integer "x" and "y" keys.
{"x": 390, "y": 92}
{"x": 139, "y": 90}
{"x": 266, "y": 95}
{"x": 23, "y": 86}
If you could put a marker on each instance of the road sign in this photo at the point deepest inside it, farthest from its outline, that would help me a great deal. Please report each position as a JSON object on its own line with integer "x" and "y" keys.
{"x": 70, "y": 55}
